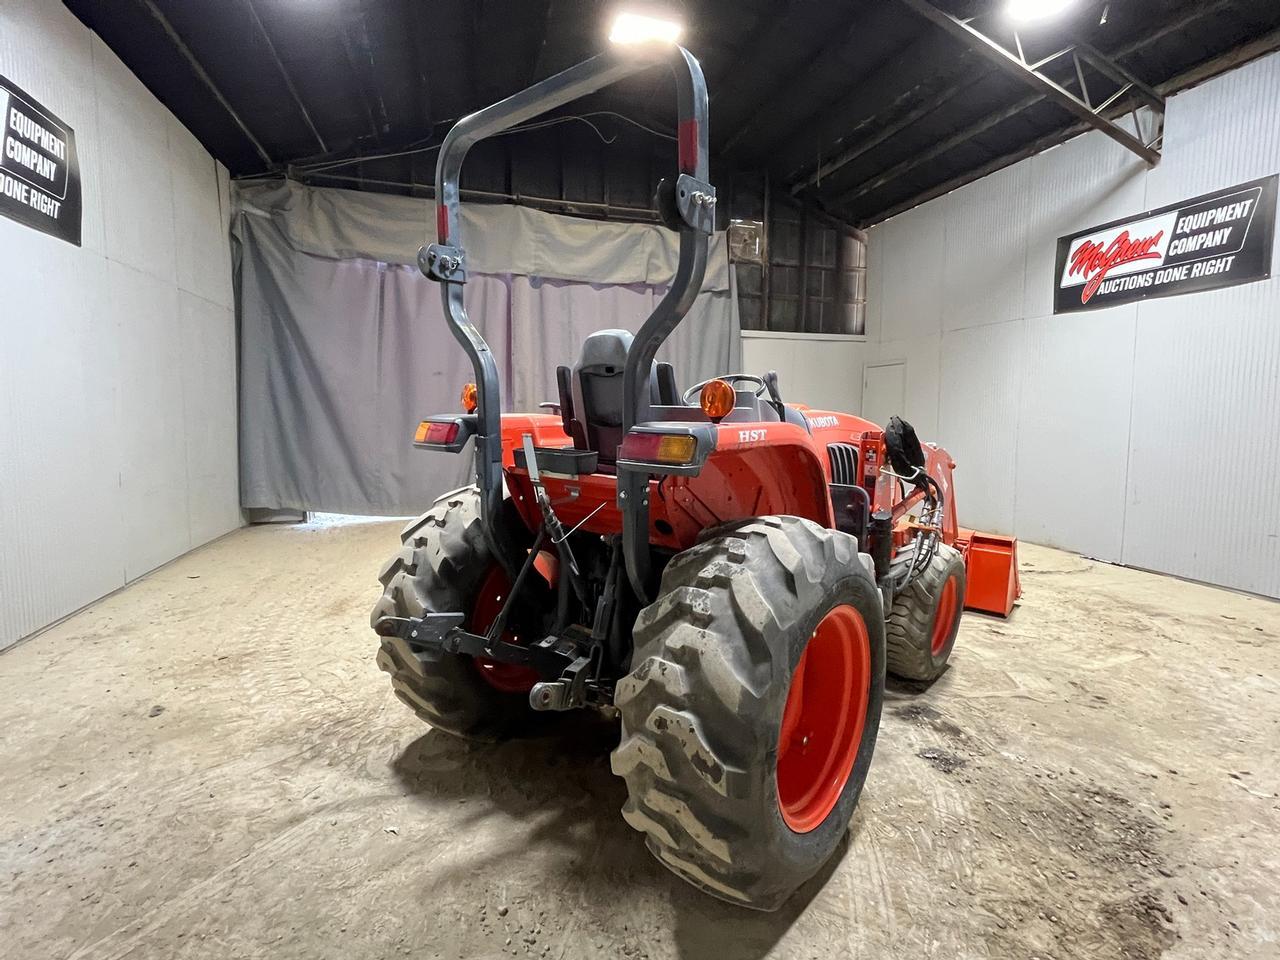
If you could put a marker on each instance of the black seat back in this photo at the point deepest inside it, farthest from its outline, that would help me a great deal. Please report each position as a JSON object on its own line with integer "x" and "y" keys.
{"x": 668, "y": 392}
{"x": 598, "y": 394}
{"x": 597, "y": 391}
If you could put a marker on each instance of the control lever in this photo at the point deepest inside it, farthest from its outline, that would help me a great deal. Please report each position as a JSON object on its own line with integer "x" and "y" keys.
{"x": 771, "y": 384}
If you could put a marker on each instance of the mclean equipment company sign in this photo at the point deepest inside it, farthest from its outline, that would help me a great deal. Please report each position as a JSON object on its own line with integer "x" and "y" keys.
{"x": 1217, "y": 240}
{"x": 39, "y": 175}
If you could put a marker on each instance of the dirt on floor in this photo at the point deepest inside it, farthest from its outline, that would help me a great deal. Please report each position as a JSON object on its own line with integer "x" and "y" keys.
{"x": 208, "y": 764}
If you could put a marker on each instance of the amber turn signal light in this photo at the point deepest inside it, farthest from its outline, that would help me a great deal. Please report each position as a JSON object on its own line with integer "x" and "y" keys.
{"x": 436, "y": 431}
{"x": 470, "y": 397}
{"x": 717, "y": 399}
{"x": 670, "y": 448}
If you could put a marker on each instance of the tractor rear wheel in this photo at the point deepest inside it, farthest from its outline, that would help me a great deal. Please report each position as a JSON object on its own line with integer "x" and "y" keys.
{"x": 750, "y": 717}
{"x": 925, "y": 618}
{"x": 445, "y": 566}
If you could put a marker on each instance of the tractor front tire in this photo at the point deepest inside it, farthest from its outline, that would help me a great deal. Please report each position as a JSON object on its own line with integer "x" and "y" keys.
{"x": 442, "y": 567}
{"x": 925, "y": 618}
{"x": 750, "y": 717}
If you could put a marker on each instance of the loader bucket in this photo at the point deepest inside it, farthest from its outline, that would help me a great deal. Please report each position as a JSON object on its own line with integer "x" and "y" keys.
{"x": 991, "y": 563}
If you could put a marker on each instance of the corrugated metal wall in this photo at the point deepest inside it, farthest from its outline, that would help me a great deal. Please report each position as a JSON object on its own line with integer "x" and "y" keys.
{"x": 117, "y": 359}
{"x": 822, "y": 371}
{"x": 1147, "y": 434}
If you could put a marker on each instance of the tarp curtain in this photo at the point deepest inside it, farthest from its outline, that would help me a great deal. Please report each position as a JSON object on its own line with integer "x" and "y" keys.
{"x": 344, "y": 346}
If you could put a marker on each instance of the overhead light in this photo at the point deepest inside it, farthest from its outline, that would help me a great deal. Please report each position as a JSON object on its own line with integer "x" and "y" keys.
{"x": 635, "y": 28}
{"x": 1029, "y": 11}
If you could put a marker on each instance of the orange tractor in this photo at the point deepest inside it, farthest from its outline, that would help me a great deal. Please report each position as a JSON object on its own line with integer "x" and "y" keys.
{"x": 729, "y": 574}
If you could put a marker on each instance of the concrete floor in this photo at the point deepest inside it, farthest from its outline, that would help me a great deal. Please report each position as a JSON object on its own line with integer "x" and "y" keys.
{"x": 208, "y": 764}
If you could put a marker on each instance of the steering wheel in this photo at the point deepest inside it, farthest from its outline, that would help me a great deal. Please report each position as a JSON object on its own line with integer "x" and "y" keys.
{"x": 732, "y": 378}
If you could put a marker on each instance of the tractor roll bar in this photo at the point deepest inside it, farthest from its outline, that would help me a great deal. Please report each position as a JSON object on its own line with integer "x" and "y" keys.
{"x": 694, "y": 205}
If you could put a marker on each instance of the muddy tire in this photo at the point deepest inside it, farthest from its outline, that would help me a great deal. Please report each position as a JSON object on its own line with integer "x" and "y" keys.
{"x": 712, "y": 713}
{"x": 926, "y": 617}
{"x": 441, "y": 567}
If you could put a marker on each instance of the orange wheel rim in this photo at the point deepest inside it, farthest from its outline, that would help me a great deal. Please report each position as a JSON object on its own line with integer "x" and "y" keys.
{"x": 507, "y": 677}
{"x": 945, "y": 617}
{"x": 823, "y": 719}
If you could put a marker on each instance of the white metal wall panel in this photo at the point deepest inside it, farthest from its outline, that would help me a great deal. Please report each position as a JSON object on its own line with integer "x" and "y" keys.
{"x": 1204, "y": 473}
{"x": 1220, "y": 133}
{"x": 209, "y": 430}
{"x": 922, "y": 358}
{"x": 61, "y": 536}
{"x": 153, "y": 477}
{"x": 1148, "y": 433}
{"x": 1073, "y": 430}
{"x": 1076, "y": 185}
{"x": 823, "y": 372}
{"x": 981, "y": 385}
{"x": 884, "y": 390}
{"x": 986, "y": 231}
{"x": 201, "y": 247}
{"x": 117, "y": 408}
{"x": 138, "y": 208}
{"x": 914, "y": 246}
{"x": 875, "y": 273}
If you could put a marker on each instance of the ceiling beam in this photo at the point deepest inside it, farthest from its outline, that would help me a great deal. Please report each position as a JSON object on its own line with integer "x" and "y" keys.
{"x": 757, "y": 41}
{"x": 969, "y": 176}
{"x": 845, "y": 157}
{"x": 204, "y": 78}
{"x": 1038, "y": 81}
{"x": 960, "y": 137}
{"x": 782, "y": 97}
{"x": 1251, "y": 50}
{"x": 1259, "y": 47}
{"x": 808, "y": 137}
{"x": 284, "y": 74}
{"x": 354, "y": 30}
{"x": 1196, "y": 11}
{"x": 762, "y": 108}
{"x": 980, "y": 126}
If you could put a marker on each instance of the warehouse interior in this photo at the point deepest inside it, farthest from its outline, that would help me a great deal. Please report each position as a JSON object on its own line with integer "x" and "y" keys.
{"x": 1041, "y": 232}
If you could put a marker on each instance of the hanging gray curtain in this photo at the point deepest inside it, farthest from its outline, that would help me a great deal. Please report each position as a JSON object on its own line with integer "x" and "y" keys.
{"x": 344, "y": 346}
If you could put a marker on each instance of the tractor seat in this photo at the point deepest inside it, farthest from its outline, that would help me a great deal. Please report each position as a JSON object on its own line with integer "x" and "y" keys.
{"x": 591, "y": 395}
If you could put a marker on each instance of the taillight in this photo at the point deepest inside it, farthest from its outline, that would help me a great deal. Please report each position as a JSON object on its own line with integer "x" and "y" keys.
{"x": 436, "y": 431}
{"x": 658, "y": 448}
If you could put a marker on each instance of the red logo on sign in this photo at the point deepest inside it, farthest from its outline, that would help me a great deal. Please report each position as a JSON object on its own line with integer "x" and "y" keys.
{"x": 1093, "y": 262}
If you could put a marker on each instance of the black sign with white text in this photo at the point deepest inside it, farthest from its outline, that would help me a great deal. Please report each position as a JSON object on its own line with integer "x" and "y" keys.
{"x": 39, "y": 174}
{"x": 1218, "y": 240}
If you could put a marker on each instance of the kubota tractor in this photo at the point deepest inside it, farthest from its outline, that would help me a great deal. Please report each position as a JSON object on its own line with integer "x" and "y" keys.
{"x": 729, "y": 574}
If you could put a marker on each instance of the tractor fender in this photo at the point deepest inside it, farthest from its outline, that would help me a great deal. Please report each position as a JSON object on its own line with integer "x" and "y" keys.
{"x": 756, "y": 470}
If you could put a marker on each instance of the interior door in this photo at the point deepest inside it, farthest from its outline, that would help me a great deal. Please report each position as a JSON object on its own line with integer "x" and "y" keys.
{"x": 883, "y": 391}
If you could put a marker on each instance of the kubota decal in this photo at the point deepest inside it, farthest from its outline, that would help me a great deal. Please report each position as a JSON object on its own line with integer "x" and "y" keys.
{"x": 821, "y": 422}
{"x": 1217, "y": 240}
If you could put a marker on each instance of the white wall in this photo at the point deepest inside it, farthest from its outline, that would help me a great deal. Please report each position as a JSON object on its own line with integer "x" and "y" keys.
{"x": 117, "y": 358}
{"x": 822, "y": 371}
{"x": 1147, "y": 434}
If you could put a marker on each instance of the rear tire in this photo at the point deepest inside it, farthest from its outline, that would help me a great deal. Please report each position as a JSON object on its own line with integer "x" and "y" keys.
{"x": 442, "y": 566}
{"x": 703, "y": 711}
{"x": 925, "y": 618}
